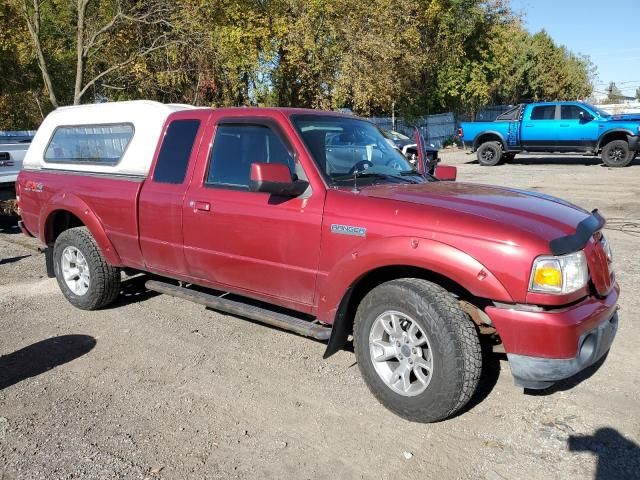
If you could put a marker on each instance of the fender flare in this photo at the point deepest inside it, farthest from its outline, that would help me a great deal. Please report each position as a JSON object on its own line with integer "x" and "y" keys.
{"x": 430, "y": 255}
{"x": 476, "y": 141}
{"x": 608, "y": 132}
{"x": 73, "y": 204}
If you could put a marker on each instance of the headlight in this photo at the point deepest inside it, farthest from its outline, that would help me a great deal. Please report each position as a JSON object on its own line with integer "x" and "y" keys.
{"x": 560, "y": 275}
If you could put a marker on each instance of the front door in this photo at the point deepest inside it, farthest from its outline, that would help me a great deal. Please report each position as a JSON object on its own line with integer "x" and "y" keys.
{"x": 578, "y": 129}
{"x": 250, "y": 242}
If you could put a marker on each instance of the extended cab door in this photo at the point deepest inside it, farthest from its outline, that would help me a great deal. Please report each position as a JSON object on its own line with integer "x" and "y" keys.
{"x": 248, "y": 242}
{"x": 162, "y": 196}
{"x": 578, "y": 129}
{"x": 540, "y": 127}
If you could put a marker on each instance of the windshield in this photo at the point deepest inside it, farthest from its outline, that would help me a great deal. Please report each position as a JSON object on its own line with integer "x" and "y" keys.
{"x": 343, "y": 147}
{"x": 390, "y": 134}
{"x": 599, "y": 111}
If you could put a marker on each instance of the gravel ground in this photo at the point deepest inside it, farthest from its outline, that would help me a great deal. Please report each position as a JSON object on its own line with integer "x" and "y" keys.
{"x": 157, "y": 387}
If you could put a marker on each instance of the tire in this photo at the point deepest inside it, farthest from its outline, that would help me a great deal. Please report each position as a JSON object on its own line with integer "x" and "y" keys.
{"x": 77, "y": 254}
{"x": 489, "y": 154}
{"x": 616, "y": 154}
{"x": 449, "y": 335}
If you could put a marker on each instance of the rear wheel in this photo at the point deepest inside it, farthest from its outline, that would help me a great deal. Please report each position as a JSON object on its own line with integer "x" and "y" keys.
{"x": 489, "y": 154}
{"x": 85, "y": 278}
{"x": 617, "y": 154}
{"x": 417, "y": 350}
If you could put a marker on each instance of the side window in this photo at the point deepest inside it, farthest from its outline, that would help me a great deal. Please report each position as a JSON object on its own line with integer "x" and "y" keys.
{"x": 175, "y": 152}
{"x": 543, "y": 112}
{"x": 93, "y": 144}
{"x": 571, "y": 112}
{"x": 237, "y": 146}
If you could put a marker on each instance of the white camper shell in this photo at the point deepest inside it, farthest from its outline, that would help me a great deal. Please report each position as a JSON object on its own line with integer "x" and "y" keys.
{"x": 117, "y": 138}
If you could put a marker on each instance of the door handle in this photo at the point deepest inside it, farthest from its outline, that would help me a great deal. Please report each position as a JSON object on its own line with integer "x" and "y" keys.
{"x": 199, "y": 206}
{"x": 564, "y": 125}
{"x": 528, "y": 126}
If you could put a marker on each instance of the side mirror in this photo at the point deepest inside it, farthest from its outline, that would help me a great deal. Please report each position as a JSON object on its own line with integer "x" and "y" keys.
{"x": 585, "y": 117}
{"x": 275, "y": 178}
{"x": 446, "y": 173}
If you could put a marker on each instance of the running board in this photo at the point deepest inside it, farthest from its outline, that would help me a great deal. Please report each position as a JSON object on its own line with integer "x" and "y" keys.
{"x": 262, "y": 315}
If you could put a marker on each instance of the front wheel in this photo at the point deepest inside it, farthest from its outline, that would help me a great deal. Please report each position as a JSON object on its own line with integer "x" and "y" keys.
{"x": 489, "y": 154}
{"x": 617, "y": 154}
{"x": 418, "y": 352}
{"x": 85, "y": 278}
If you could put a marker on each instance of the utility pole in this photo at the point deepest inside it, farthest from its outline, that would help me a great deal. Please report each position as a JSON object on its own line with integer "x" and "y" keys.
{"x": 393, "y": 116}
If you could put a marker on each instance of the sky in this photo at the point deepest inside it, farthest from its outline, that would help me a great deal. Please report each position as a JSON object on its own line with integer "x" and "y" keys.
{"x": 606, "y": 31}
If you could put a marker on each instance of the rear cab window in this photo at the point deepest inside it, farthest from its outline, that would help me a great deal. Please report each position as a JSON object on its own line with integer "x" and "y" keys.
{"x": 543, "y": 112}
{"x": 89, "y": 144}
{"x": 174, "y": 155}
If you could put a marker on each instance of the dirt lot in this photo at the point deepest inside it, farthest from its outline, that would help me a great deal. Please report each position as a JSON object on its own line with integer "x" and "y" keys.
{"x": 161, "y": 388}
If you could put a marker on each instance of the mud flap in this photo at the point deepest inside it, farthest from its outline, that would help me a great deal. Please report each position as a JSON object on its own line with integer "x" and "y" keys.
{"x": 48, "y": 259}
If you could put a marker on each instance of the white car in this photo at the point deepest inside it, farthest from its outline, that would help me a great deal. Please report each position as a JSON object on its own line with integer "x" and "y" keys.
{"x": 12, "y": 152}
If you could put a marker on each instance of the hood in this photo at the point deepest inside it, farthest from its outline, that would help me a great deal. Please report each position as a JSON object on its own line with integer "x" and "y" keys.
{"x": 627, "y": 117}
{"x": 452, "y": 205}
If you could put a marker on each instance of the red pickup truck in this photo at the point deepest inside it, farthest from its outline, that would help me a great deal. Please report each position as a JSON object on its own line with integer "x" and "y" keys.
{"x": 319, "y": 226}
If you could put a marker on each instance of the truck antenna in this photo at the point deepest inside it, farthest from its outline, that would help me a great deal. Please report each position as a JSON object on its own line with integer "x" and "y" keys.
{"x": 355, "y": 182}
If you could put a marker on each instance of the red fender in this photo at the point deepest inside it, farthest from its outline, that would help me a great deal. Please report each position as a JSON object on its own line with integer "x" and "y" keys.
{"x": 406, "y": 251}
{"x": 74, "y": 205}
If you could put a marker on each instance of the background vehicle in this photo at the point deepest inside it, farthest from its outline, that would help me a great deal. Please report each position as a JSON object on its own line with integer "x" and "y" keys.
{"x": 554, "y": 127}
{"x": 13, "y": 148}
{"x": 324, "y": 229}
{"x": 409, "y": 148}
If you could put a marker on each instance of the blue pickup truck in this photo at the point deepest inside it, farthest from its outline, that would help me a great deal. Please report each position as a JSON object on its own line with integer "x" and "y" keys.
{"x": 554, "y": 127}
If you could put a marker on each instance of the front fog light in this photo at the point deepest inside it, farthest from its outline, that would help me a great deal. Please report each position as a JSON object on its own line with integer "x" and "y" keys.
{"x": 560, "y": 275}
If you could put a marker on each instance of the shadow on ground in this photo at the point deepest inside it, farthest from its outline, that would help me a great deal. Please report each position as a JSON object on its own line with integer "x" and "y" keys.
{"x": 618, "y": 458}
{"x": 9, "y": 224}
{"x": 41, "y": 357}
{"x": 5, "y": 261}
{"x": 133, "y": 290}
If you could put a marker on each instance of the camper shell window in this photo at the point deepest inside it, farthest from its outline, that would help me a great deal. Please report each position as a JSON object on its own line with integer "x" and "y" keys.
{"x": 90, "y": 144}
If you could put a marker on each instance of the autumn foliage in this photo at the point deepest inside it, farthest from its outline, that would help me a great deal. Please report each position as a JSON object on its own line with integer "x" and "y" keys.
{"x": 424, "y": 56}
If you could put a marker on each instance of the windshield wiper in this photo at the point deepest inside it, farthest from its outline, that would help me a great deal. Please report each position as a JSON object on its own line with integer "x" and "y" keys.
{"x": 364, "y": 173}
{"x": 359, "y": 174}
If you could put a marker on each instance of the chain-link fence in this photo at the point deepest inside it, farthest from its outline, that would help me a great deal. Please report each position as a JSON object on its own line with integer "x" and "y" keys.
{"x": 435, "y": 129}
{"x": 441, "y": 128}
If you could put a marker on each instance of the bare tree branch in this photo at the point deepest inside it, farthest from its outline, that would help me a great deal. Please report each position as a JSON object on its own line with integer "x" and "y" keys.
{"x": 33, "y": 24}
{"x": 128, "y": 61}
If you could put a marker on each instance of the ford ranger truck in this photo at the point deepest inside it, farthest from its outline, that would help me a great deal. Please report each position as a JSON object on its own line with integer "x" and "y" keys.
{"x": 554, "y": 127}
{"x": 317, "y": 225}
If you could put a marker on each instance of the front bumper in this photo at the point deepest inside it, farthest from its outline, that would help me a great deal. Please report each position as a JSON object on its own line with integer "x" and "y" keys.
{"x": 550, "y": 345}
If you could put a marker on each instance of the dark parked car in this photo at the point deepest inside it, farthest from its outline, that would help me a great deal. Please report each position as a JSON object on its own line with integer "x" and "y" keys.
{"x": 409, "y": 148}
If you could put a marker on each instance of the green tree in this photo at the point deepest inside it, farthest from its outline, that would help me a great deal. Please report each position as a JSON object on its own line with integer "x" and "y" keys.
{"x": 424, "y": 56}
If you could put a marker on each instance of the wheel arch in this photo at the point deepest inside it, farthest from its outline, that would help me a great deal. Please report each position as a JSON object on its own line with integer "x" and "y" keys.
{"x": 68, "y": 211}
{"x": 489, "y": 136}
{"x": 611, "y": 135}
{"x": 455, "y": 271}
